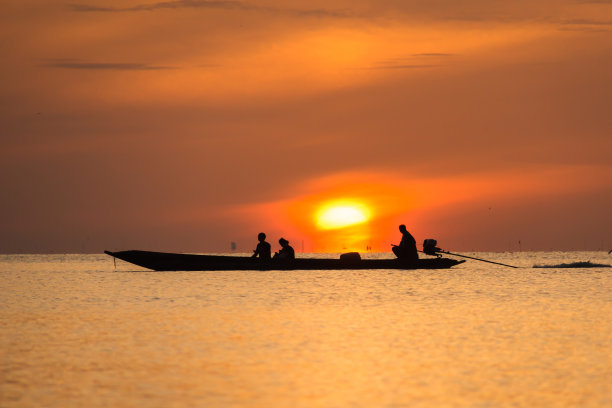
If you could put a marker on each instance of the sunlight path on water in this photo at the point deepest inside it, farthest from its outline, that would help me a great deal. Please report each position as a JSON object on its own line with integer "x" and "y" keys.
{"x": 75, "y": 332}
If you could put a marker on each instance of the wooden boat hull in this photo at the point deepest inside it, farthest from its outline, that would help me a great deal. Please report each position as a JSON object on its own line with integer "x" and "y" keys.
{"x": 163, "y": 261}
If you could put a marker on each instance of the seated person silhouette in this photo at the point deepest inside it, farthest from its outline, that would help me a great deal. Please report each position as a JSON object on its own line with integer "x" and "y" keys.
{"x": 263, "y": 248}
{"x": 406, "y": 250}
{"x": 286, "y": 253}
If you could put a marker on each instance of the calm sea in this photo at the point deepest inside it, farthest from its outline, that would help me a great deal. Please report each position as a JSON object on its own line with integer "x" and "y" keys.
{"x": 76, "y": 331}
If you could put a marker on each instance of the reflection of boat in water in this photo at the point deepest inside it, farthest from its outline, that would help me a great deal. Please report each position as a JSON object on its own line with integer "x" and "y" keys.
{"x": 163, "y": 261}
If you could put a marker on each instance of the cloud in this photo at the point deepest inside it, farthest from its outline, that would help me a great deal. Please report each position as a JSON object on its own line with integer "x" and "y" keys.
{"x": 113, "y": 66}
{"x": 212, "y": 4}
{"x": 433, "y": 54}
{"x": 319, "y": 13}
{"x": 85, "y": 8}
{"x": 165, "y": 5}
{"x": 406, "y": 66}
{"x": 584, "y": 25}
{"x": 587, "y": 22}
{"x": 414, "y": 61}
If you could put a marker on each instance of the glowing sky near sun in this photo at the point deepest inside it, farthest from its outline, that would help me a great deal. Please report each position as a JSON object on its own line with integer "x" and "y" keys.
{"x": 187, "y": 125}
{"x": 341, "y": 214}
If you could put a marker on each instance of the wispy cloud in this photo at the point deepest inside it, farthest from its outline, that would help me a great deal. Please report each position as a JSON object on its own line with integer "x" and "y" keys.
{"x": 587, "y": 22}
{"x": 320, "y": 13}
{"x": 114, "y": 66}
{"x": 405, "y": 66}
{"x": 213, "y": 4}
{"x": 414, "y": 61}
{"x": 222, "y": 4}
{"x": 433, "y": 54}
{"x": 586, "y": 25}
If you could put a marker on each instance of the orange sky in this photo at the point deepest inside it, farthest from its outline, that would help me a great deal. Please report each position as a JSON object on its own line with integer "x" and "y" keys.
{"x": 185, "y": 125}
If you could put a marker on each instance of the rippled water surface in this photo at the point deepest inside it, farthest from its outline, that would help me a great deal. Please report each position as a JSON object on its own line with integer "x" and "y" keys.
{"x": 76, "y": 331}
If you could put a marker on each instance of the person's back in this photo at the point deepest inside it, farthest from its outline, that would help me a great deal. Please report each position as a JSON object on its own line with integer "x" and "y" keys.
{"x": 286, "y": 252}
{"x": 406, "y": 250}
{"x": 408, "y": 240}
{"x": 263, "y": 249}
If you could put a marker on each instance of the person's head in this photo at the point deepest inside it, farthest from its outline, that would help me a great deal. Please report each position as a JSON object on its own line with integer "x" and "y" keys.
{"x": 283, "y": 242}
{"x": 402, "y": 228}
{"x": 261, "y": 236}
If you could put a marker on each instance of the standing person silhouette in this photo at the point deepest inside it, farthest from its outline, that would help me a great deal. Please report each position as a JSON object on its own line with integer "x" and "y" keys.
{"x": 263, "y": 248}
{"x": 406, "y": 250}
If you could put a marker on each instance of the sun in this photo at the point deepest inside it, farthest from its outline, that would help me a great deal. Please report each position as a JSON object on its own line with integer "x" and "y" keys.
{"x": 341, "y": 214}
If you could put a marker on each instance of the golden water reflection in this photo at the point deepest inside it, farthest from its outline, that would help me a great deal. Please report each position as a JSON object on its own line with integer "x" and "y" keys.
{"x": 476, "y": 335}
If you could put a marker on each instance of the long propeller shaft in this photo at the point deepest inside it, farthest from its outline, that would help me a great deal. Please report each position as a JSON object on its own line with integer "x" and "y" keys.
{"x": 477, "y": 259}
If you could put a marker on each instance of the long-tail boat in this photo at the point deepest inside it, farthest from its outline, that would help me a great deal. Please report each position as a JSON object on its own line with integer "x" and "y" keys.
{"x": 164, "y": 261}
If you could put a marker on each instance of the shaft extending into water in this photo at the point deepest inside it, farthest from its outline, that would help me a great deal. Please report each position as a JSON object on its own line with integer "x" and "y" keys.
{"x": 477, "y": 259}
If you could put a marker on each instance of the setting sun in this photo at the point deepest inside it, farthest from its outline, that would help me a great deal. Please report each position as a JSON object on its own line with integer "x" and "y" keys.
{"x": 342, "y": 214}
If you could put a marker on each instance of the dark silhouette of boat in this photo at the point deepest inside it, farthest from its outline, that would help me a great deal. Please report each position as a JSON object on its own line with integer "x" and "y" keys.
{"x": 163, "y": 261}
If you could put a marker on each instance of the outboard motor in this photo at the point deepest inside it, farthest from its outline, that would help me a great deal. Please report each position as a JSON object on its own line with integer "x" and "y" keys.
{"x": 430, "y": 248}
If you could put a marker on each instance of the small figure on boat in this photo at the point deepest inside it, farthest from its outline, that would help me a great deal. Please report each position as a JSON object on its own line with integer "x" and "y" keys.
{"x": 263, "y": 249}
{"x": 406, "y": 250}
{"x": 286, "y": 253}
